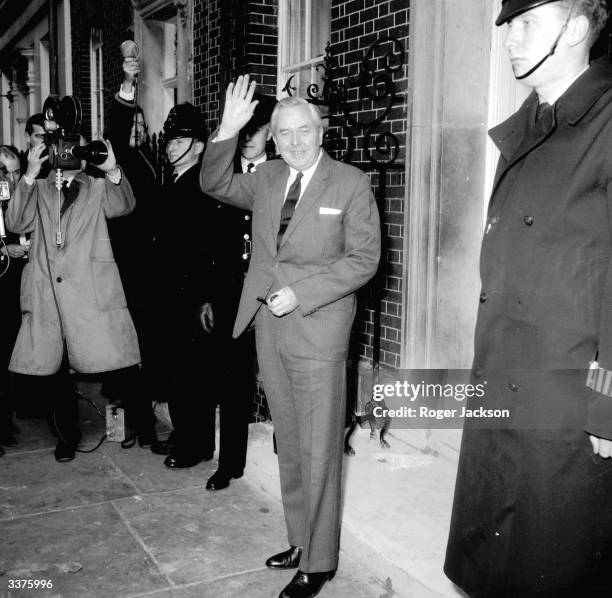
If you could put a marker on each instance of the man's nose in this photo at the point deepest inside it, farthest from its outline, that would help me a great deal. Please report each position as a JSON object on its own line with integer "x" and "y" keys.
{"x": 294, "y": 138}
{"x": 511, "y": 40}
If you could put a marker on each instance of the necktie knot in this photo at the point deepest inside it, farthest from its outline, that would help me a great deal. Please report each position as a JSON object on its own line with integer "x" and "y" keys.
{"x": 250, "y": 167}
{"x": 542, "y": 110}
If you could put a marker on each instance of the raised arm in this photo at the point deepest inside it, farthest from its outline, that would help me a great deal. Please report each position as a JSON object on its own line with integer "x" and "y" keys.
{"x": 217, "y": 177}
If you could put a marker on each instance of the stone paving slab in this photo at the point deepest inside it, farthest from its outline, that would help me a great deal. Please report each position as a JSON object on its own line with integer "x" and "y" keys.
{"x": 28, "y": 477}
{"x": 86, "y": 552}
{"x": 197, "y": 535}
{"x": 148, "y": 473}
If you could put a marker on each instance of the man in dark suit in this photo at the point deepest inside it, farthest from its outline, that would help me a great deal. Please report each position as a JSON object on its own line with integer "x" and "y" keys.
{"x": 236, "y": 357}
{"x": 181, "y": 298}
{"x": 316, "y": 240}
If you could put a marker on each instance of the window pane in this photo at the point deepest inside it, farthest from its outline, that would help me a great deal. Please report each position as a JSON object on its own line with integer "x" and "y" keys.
{"x": 321, "y": 19}
{"x": 296, "y": 32}
{"x": 304, "y": 33}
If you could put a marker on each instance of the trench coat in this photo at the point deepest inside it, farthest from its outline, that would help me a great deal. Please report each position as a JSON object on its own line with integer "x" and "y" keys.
{"x": 532, "y": 514}
{"x": 98, "y": 331}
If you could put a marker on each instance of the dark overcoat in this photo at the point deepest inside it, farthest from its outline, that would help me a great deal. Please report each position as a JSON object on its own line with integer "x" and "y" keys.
{"x": 532, "y": 514}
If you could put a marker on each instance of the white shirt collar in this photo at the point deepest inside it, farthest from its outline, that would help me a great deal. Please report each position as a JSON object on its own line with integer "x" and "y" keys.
{"x": 244, "y": 163}
{"x": 306, "y": 175}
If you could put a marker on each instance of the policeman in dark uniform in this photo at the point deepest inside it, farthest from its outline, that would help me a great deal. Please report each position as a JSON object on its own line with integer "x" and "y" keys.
{"x": 236, "y": 357}
{"x": 182, "y": 294}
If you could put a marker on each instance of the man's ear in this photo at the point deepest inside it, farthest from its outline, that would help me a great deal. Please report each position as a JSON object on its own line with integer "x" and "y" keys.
{"x": 269, "y": 136}
{"x": 577, "y": 30}
{"x": 199, "y": 147}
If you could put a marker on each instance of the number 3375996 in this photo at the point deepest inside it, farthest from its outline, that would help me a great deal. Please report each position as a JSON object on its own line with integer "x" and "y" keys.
{"x": 29, "y": 584}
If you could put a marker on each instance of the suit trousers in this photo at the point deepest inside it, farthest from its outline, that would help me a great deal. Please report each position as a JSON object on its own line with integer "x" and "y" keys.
{"x": 307, "y": 399}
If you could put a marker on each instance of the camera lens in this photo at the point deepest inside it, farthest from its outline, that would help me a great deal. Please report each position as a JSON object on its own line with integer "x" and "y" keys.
{"x": 96, "y": 153}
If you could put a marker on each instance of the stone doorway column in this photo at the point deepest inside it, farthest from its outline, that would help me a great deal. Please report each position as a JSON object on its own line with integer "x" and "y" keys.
{"x": 449, "y": 65}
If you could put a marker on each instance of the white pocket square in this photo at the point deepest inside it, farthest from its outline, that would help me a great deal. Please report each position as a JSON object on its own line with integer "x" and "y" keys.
{"x": 329, "y": 211}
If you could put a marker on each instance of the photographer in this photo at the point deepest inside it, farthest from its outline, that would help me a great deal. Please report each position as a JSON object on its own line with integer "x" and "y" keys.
{"x": 73, "y": 307}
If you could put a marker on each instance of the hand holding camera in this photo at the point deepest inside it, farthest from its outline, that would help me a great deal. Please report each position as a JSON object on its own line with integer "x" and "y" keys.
{"x": 109, "y": 166}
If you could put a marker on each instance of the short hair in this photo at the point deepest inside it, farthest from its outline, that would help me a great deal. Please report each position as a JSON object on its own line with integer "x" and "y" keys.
{"x": 290, "y": 102}
{"x": 35, "y": 119}
{"x": 10, "y": 152}
{"x": 596, "y": 11}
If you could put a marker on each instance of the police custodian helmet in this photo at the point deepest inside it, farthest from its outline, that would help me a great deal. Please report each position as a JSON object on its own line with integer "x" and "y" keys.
{"x": 184, "y": 120}
{"x": 512, "y": 8}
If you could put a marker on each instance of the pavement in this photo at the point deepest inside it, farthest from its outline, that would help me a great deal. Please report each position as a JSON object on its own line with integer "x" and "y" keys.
{"x": 116, "y": 523}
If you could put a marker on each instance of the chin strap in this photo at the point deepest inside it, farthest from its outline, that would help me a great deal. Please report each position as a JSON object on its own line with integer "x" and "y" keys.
{"x": 553, "y": 48}
{"x": 184, "y": 153}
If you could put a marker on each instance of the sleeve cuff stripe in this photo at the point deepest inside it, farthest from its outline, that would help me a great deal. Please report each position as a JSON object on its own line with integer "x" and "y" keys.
{"x": 600, "y": 380}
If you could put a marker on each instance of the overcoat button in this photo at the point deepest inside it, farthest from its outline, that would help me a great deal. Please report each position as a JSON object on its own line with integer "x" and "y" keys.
{"x": 483, "y": 297}
{"x": 513, "y": 387}
{"x": 528, "y": 220}
{"x": 478, "y": 373}
{"x": 59, "y": 279}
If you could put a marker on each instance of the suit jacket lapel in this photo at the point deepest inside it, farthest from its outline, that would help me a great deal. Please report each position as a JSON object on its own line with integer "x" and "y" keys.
{"x": 310, "y": 196}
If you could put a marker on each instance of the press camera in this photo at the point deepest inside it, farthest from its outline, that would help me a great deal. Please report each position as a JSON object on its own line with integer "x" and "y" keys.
{"x": 62, "y": 121}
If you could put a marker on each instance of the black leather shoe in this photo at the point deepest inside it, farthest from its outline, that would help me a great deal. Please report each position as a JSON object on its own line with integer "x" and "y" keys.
{"x": 289, "y": 559}
{"x": 306, "y": 585}
{"x": 220, "y": 480}
{"x": 181, "y": 460}
{"x": 64, "y": 452}
{"x": 162, "y": 447}
{"x": 129, "y": 442}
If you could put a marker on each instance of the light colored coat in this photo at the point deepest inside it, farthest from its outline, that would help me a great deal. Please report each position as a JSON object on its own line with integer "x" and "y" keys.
{"x": 98, "y": 330}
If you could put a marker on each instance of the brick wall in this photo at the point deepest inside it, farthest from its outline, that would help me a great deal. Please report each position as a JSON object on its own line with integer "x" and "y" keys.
{"x": 355, "y": 26}
{"x": 207, "y": 58}
{"x": 261, "y": 42}
{"x": 232, "y": 37}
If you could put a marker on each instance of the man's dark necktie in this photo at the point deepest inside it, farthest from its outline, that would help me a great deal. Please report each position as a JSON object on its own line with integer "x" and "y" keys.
{"x": 293, "y": 196}
{"x": 70, "y": 193}
{"x": 250, "y": 168}
{"x": 543, "y": 110}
